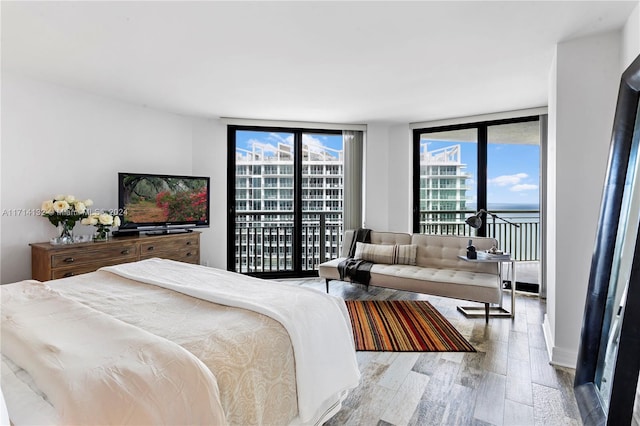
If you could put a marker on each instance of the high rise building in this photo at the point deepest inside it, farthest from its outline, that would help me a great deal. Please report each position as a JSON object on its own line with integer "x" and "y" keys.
{"x": 443, "y": 185}
{"x": 265, "y": 194}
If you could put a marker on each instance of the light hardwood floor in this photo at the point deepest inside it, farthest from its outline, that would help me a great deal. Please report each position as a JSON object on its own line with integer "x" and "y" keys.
{"x": 508, "y": 381}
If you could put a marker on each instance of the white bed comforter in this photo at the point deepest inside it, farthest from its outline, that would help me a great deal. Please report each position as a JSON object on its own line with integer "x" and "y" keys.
{"x": 92, "y": 366}
{"x": 319, "y": 327}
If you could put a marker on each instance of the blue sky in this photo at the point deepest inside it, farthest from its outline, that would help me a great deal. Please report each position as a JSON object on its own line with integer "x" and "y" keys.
{"x": 513, "y": 171}
{"x": 244, "y": 139}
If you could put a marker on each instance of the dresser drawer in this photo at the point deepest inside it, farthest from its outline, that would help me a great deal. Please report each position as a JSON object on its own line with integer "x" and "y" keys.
{"x": 186, "y": 255}
{"x": 150, "y": 248}
{"x": 86, "y": 267}
{"x": 118, "y": 253}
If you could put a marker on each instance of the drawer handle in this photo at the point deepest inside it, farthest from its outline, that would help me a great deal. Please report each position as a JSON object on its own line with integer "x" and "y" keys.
{"x": 69, "y": 260}
{"x": 150, "y": 248}
{"x": 68, "y": 274}
{"x": 126, "y": 251}
{"x": 188, "y": 254}
{"x": 188, "y": 243}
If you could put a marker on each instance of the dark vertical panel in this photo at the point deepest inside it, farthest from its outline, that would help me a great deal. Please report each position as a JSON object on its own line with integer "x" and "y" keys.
{"x": 297, "y": 203}
{"x": 231, "y": 199}
{"x": 482, "y": 178}
{"x": 416, "y": 181}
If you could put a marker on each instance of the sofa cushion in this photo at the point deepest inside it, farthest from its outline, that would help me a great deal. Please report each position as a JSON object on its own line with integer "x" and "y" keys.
{"x": 442, "y": 251}
{"x": 392, "y": 238}
{"x": 466, "y": 285}
{"x": 377, "y": 237}
{"x": 376, "y": 253}
{"x": 444, "y": 276}
{"x": 406, "y": 254}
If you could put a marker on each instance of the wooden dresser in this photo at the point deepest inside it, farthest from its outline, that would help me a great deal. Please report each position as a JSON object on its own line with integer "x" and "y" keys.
{"x": 49, "y": 262}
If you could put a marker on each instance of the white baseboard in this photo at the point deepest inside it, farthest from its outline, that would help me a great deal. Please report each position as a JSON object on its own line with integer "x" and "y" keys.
{"x": 557, "y": 356}
{"x": 548, "y": 335}
{"x": 564, "y": 358}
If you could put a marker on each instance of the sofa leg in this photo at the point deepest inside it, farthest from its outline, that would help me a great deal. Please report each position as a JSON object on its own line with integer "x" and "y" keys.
{"x": 486, "y": 313}
{"x": 327, "y": 283}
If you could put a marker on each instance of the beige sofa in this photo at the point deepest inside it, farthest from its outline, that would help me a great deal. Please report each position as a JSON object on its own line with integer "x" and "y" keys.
{"x": 437, "y": 270}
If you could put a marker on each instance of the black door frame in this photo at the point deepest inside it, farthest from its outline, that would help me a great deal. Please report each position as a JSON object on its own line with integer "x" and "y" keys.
{"x": 297, "y": 212}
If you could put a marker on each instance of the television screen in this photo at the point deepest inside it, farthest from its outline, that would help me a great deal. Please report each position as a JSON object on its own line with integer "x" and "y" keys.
{"x": 150, "y": 201}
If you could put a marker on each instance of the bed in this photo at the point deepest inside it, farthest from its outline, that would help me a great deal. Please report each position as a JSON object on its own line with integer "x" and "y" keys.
{"x": 159, "y": 341}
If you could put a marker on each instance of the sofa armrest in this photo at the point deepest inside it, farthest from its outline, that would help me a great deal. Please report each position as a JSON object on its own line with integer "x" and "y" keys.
{"x": 349, "y": 235}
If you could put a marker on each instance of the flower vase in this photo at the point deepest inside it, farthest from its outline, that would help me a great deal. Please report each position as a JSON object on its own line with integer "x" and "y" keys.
{"x": 102, "y": 233}
{"x": 65, "y": 232}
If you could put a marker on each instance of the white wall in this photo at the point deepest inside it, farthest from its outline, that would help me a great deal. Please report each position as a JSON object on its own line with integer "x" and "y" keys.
{"x": 210, "y": 159}
{"x": 58, "y": 140}
{"x": 400, "y": 179}
{"x": 388, "y": 171}
{"x": 631, "y": 38}
{"x": 376, "y": 181}
{"x": 587, "y": 74}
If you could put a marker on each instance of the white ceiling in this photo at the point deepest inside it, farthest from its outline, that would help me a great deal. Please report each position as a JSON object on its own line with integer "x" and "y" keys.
{"x": 341, "y": 62}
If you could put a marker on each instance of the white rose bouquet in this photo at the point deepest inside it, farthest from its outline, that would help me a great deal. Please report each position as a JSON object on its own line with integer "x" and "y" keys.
{"x": 102, "y": 221}
{"x": 64, "y": 211}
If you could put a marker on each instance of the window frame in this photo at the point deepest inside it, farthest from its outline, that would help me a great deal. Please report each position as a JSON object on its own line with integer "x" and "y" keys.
{"x": 482, "y": 141}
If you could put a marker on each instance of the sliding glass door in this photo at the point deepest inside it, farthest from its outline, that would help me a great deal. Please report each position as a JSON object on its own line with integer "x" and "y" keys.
{"x": 285, "y": 200}
{"x": 492, "y": 166}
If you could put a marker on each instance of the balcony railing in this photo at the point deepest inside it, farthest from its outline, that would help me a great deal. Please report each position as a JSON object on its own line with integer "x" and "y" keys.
{"x": 523, "y": 241}
{"x": 264, "y": 239}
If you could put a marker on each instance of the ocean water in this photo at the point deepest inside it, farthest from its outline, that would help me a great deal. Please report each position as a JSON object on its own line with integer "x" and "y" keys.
{"x": 506, "y": 206}
{"x": 519, "y": 213}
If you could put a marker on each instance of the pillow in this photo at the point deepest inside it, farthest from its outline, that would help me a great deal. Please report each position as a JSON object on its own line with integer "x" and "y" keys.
{"x": 406, "y": 254}
{"x": 376, "y": 253}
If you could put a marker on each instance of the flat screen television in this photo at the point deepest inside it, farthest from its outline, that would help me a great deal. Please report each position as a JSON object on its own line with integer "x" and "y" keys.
{"x": 154, "y": 203}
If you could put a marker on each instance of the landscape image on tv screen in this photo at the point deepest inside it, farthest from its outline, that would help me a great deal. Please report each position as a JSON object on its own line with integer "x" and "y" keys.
{"x": 164, "y": 199}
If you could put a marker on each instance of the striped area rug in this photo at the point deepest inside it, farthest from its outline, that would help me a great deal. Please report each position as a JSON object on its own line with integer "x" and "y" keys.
{"x": 403, "y": 326}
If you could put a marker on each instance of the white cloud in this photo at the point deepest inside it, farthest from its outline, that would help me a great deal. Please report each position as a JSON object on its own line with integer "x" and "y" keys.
{"x": 277, "y": 137}
{"x": 267, "y": 147}
{"x": 505, "y": 180}
{"x": 523, "y": 187}
{"x": 315, "y": 144}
